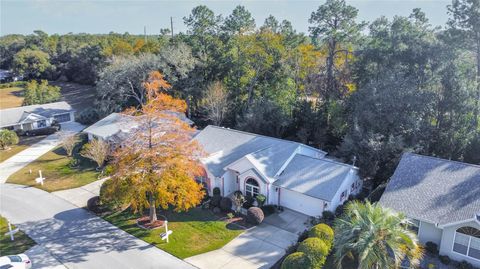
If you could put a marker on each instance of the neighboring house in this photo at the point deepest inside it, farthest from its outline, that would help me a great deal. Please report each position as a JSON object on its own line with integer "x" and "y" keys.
{"x": 289, "y": 174}
{"x": 116, "y": 127}
{"x": 32, "y": 117}
{"x": 442, "y": 198}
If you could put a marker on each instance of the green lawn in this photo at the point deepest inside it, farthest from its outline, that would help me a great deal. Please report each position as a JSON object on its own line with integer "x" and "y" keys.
{"x": 21, "y": 243}
{"x": 25, "y": 142}
{"x": 58, "y": 173}
{"x": 194, "y": 232}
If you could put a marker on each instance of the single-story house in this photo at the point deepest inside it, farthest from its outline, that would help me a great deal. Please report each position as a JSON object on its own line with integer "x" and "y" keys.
{"x": 288, "y": 174}
{"x": 116, "y": 127}
{"x": 442, "y": 199}
{"x": 36, "y": 116}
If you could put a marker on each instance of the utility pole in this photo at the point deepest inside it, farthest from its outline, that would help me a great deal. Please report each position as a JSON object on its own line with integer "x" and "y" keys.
{"x": 145, "y": 33}
{"x": 171, "y": 25}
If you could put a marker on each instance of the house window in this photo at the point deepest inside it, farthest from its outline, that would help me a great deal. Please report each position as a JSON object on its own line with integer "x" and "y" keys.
{"x": 343, "y": 196}
{"x": 41, "y": 123}
{"x": 467, "y": 242}
{"x": 252, "y": 188}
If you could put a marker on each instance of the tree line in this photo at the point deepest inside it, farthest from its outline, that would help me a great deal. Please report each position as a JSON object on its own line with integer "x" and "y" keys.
{"x": 368, "y": 91}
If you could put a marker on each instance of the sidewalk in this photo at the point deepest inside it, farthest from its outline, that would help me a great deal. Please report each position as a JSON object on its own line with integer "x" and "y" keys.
{"x": 23, "y": 158}
{"x": 79, "y": 196}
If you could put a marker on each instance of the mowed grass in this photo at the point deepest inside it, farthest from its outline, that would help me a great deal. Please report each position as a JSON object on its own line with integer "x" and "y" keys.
{"x": 57, "y": 171}
{"x": 11, "y": 97}
{"x": 194, "y": 232}
{"x": 25, "y": 142}
{"x": 20, "y": 244}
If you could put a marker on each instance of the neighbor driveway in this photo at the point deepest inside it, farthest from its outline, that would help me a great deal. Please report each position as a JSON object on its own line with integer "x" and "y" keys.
{"x": 74, "y": 236}
{"x": 23, "y": 158}
{"x": 259, "y": 247}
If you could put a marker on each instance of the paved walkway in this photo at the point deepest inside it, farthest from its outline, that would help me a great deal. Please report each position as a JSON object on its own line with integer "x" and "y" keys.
{"x": 74, "y": 236}
{"x": 259, "y": 247}
{"x": 23, "y": 158}
{"x": 80, "y": 196}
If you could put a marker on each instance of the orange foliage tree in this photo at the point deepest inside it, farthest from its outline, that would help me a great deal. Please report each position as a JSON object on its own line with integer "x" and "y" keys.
{"x": 157, "y": 165}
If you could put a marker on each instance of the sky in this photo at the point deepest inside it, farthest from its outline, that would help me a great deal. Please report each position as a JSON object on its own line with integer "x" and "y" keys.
{"x": 104, "y": 16}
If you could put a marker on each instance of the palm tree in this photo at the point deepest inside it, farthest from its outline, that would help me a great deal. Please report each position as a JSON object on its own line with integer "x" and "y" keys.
{"x": 375, "y": 237}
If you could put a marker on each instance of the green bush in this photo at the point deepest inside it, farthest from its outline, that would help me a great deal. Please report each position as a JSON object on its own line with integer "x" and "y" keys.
{"x": 215, "y": 201}
{"x": 316, "y": 250}
{"x": 261, "y": 199}
{"x": 296, "y": 260}
{"x": 431, "y": 248}
{"x": 322, "y": 231}
{"x": 464, "y": 265}
{"x": 328, "y": 215}
{"x": 216, "y": 191}
{"x": 8, "y": 138}
{"x": 40, "y": 93}
{"x": 444, "y": 259}
{"x": 255, "y": 215}
{"x": 226, "y": 204}
{"x": 88, "y": 116}
{"x": 13, "y": 84}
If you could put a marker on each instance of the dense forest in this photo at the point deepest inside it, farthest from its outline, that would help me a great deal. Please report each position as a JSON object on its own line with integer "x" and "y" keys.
{"x": 363, "y": 91}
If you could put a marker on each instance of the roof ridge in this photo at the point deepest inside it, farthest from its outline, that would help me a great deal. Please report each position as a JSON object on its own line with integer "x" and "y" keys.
{"x": 441, "y": 159}
{"x": 328, "y": 160}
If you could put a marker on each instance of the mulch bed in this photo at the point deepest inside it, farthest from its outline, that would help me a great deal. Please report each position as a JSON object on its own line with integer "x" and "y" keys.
{"x": 144, "y": 222}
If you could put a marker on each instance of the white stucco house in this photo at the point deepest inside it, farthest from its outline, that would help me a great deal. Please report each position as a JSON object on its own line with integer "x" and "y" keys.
{"x": 289, "y": 174}
{"x": 117, "y": 126}
{"x": 32, "y": 117}
{"x": 442, "y": 198}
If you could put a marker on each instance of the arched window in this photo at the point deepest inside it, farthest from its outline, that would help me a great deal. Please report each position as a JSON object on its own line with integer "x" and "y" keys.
{"x": 467, "y": 242}
{"x": 251, "y": 187}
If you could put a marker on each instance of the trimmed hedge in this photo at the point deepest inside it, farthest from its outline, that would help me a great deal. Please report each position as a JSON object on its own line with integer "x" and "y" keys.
{"x": 255, "y": 215}
{"x": 322, "y": 231}
{"x": 296, "y": 260}
{"x": 316, "y": 250}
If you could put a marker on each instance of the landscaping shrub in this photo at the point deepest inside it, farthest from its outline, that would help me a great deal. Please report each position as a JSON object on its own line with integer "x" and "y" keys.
{"x": 13, "y": 84}
{"x": 40, "y": 93}
{"x": 339, "y": 210}
{"x": 226, "y": 204}
{"x": 8, "y": 138}
{"x": 444, "y": 259}
{"x": 93, "y": 204}
{"x": 316, "y": 250}
{"x": 238, "y": 200}
{"x": 261, "y": 199}
{"x": 296, "y": 260}
{"x": 216, "y": 191}
{"x": 268, "y": 209}
{"x": 328, "y": 215}
{"x": 431, "y": 248}
{"x": 255, "y": 215}
{"x": 215, "y": 201}
{"x": 464, "y": 265}
{"x": 107, "y": 199}
{"x": 88, "y": 116}
{"x": 248, "y": 202}
{"x": 324, "y": 232}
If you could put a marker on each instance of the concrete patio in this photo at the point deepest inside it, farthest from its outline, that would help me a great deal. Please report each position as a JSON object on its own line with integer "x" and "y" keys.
{"x": 259, "y": 247}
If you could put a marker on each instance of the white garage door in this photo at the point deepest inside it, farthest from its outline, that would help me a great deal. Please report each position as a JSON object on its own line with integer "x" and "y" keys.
{"x": 301, "y": 203}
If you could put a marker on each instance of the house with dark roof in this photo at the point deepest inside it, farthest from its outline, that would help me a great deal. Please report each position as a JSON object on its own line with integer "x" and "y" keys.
{"x": 442, "y": 198}
{"x": 287, "y": 173}
{"x": 32, "y": 117}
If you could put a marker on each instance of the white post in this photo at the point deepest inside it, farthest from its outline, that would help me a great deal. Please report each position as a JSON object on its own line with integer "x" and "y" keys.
{"x": 166, "y": 229}
{"x": 10, "y": 231}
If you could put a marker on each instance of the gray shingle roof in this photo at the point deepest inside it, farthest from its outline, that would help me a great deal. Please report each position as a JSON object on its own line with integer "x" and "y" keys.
{"x": 111, "y": 125}
{"x": 433, "y": 189}
{"x": 13, "y": 116}
{"x": 227, "y": 146}
{"x": 319, "y": 178}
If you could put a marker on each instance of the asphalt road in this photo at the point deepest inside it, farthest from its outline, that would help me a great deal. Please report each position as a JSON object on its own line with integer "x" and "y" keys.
{"x": 74, "y": 236}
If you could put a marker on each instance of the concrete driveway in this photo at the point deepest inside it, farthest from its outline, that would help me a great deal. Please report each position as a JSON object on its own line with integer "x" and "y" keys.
{"x": 259, "y": 247}
{"x": 23, "y": 158}
{"x": 75, "y": 237}
{"x": 80, "y": 196}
